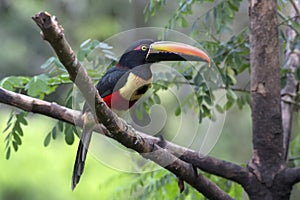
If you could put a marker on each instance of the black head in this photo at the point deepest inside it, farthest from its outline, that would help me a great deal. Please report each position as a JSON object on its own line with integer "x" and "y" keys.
{"x": 135, "y": 55}
{"x": 147, "y": 51}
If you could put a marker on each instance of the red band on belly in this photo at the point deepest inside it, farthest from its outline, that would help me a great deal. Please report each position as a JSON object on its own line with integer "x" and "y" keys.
{"x": 116, "y": 101}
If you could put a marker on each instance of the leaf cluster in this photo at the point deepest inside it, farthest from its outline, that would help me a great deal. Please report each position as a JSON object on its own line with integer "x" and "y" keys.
{"x": 14, "y": 131}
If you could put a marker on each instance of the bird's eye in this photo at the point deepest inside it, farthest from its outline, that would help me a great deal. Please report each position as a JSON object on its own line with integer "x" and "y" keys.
{"x": 144, "y": 48}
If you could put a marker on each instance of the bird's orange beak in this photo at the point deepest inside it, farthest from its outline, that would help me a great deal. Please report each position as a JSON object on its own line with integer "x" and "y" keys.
{"x": 174, "y": 51}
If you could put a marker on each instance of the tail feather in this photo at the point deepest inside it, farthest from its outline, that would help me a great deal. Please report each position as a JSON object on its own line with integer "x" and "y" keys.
{"x": 81, "y": 156}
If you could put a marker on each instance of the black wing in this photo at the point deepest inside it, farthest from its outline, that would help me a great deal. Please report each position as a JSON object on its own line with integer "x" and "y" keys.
{"x": 112, "y": 80}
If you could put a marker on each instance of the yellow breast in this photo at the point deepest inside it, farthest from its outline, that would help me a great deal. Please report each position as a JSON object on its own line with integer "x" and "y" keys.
{"x": 135, "y": 87}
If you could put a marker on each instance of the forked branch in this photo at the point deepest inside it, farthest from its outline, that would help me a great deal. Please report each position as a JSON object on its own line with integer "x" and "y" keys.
{"x": 118, "y": 129}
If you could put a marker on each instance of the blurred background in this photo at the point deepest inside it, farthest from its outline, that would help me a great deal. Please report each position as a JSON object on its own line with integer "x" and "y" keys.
{"x": 38, "y": 172}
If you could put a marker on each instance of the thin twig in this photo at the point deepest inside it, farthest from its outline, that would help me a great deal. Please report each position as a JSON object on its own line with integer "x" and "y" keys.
{"x": 295, "y": 6}
{"x": 294, "y": 158}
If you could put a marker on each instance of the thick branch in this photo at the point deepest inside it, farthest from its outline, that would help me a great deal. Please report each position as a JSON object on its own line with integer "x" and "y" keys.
{"x": 178, "y": 167}
{"x": 53, "y": 110}
{"x": 208, "y": 164}
{"x": 292, "y": 175}
{"x": 268, "y": 155}
{"x": 53, "y": 32}
{"x": 205, "y": 163}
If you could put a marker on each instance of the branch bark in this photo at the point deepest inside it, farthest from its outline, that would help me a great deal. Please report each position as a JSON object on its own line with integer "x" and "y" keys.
{"x": 268, "y": 153}
{"x": 292, "y": 175}
{"x": 205, "y": 163}
{"x": 53, "y": 32}
{"x": 268, "y": 162}
{"x": 289, "y": 92}
{"x": 75, "y": 117}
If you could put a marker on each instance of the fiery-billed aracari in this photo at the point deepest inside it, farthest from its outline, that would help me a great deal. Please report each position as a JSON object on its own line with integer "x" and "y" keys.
{"x": 124, "y": 84}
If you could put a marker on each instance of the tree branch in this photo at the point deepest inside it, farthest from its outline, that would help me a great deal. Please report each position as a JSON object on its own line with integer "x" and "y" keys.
{"x": 292, "y": 175}
{"x": 53, "y": 32}
{"x": 289, "y": 92}
{"x": 159, "y": 155}
{"x": 268, "y": 154}
{"x": 205, "y": 163}
{"x": 295, "y": 5}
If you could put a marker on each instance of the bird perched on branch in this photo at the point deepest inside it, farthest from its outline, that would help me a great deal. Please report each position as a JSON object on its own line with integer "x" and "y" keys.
{"x": 124, "y": 84}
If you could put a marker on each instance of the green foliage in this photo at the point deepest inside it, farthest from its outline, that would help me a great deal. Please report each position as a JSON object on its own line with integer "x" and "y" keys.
{"x": 233, "y": 54}
{"x": 222, "y": 15}
{"x": 14, "y": 131}
{"x": 294, "y": 153}
{"x": 231, "y": 188}
{"x": 67, "y": 129}
{"x": 13, "y": 83}
{"x": 152, "y": 7}
{"x": 44, "y": 84}
{"x": 91, "y": 49}
{"x": 219, "y": 17}
{"x": 160, "y": 184}
{"x": 39, "y": 85}
{"x": 231, "y": 57}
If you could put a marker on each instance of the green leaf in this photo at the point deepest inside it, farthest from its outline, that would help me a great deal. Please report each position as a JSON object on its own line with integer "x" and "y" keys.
{"x": 233, "y": 6}
{"x": 231, "y": 95}
{"x": 9, "y": 122}
{"x": 13, "y": 82}
{"x": 6, "y": 84}
{"x": 146, "y": 107}
{"x": 15, "y": 146}
{"x": 231, "y": 75}
{"x": 85, "y": 43}
{"x": 10, "y": 117}
{"x": 156, "y": 98}
{"x": 188, "y": 73}
{"x": 21, "y": 119}
{"x": 7, "y": 127}
{"x": 54, "y": 132}
{"x": 182, "y": 22}
{"x": 8, "y": 153}
{"x": 228, "y": 104}
{"x": 219, "y": 108}
{"x": 69, "y": 138}
{"x": 60, "y": 126}
{"x": 82, "y": 54}
{"x": 37, "y": 86}
{"x": 103, "y": 45}
{"x": 47, "y": 139}
{"x": 178, "y": 111}
{"x": 69, "y": 135}
{"x": 208, "y": 100}
{"x": 151, "y": 101}
{"x": 17, "y": 139}
{"x": 206, "y": 111}
{"x": 139, "y": 113}
{"x": 198, "y": 79}
{"x": 17, "y": 128}
{"x": 49, "y": 63}
{"x": 297, "y": 74}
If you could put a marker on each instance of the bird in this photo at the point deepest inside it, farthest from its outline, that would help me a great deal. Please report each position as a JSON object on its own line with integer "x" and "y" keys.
{"x": 126, "y": 82}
